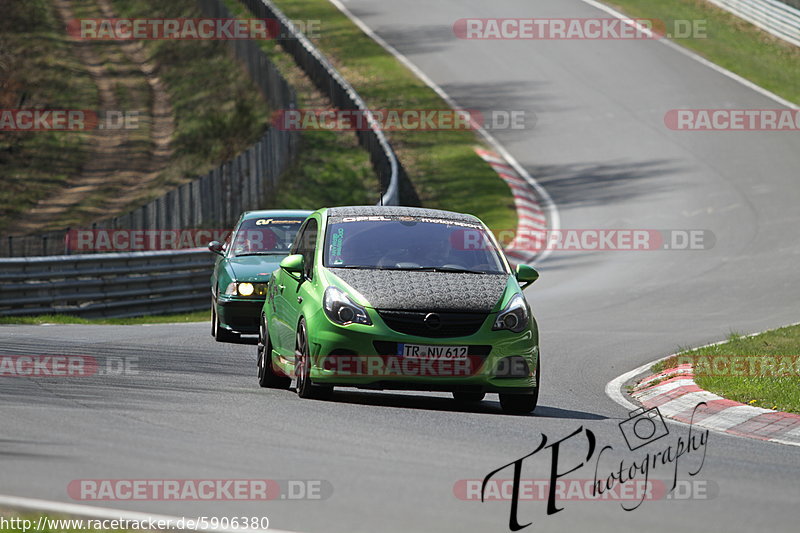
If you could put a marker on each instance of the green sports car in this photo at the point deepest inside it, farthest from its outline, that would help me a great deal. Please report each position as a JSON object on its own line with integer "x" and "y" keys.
{"x": 400, "y": 298}
{"x": 246, "y": 260}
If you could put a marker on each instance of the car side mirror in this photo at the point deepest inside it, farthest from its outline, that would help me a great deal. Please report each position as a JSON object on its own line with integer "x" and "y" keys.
{"x": 216, "y": 247}
{"x": 293, "y": 264}
{"x": 526, "y": 275}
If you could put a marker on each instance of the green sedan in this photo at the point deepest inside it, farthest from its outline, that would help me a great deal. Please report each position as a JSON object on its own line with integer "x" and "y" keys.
{"x": 246, "y": 260}
{"x": 400, "y": 298}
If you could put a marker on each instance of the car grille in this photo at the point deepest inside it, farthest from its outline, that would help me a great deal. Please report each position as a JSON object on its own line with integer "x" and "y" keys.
{"x": 448, "y": 324}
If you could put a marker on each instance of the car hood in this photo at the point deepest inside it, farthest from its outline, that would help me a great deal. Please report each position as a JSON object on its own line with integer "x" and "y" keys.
{"x": 431, "y": 291}
{"x": 254, "y": 267}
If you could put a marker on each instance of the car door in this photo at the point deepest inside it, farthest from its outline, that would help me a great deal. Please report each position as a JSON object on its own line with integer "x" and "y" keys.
{"x": 287, "y": 289}
{"x": 297, "y": 292}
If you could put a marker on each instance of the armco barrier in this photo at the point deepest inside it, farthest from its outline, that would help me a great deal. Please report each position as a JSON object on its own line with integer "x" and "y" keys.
{"x": 217, "y": 199}
{"x": 130, "y": 284}
{"x": 780, "y": 18}
{"x": 331, "y": 83}
{"x": 107, "y": 285}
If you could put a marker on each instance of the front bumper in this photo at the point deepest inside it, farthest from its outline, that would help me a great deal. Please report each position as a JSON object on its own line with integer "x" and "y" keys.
{"x": 368, "y": 357}
{"x": 240, "y": 315}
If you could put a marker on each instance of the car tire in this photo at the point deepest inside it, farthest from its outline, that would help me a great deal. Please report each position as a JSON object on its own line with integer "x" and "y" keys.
{"x": 219, "y": 333}
{"x": 305, "y": 388}
{"x": 267, "y": 377}
{"x": 468, "y": 397}
{"x": 522, "y": 404}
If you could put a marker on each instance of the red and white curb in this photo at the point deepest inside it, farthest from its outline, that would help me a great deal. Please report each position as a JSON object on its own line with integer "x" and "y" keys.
{"x": 530, "y": 214}
{"x": 675, "y": 394}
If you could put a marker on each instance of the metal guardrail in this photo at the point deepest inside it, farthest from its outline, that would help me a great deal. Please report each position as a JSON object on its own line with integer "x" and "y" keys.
{"x": 137, "y": 283}
{"x": 106, "y": 285}
{"x": 777, "y": 17}
{"x": 216, "y": 199}
{"x": 331, "y": 83}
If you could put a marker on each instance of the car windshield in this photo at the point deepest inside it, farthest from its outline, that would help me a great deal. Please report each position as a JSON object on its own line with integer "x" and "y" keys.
{"x": 411, "y": 243}
{"x": 262, "y": 236}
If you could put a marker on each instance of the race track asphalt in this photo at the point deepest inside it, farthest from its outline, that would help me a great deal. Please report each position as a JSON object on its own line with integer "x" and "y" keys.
{"x": 192, "y": 408}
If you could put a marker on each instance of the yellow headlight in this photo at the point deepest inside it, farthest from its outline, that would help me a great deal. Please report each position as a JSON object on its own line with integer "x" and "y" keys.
{"x": 246, "y": 289}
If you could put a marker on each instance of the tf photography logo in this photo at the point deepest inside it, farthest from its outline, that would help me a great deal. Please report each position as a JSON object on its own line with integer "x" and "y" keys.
{"x": 628, "y": 480}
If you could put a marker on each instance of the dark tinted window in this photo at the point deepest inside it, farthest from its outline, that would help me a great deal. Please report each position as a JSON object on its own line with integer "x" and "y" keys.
{"x": 410, "y": 243}
{"x": 268, "y": 235}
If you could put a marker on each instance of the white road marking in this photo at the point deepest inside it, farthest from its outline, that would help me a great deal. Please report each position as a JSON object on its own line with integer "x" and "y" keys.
{"x": 683, "y": 403}
{"x": 733, "y": 416}
{"x": 688, "y": 53}
{"x": 614, "y": 391}
{"x": 660, "y": 389}
{"x": 547, "y": 201}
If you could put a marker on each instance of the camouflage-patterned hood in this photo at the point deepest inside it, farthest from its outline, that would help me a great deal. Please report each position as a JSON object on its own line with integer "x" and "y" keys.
{"x": 430, "y": 291}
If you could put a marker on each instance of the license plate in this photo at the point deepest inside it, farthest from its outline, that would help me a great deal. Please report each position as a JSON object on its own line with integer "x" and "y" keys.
{"x": 427, "y": 351}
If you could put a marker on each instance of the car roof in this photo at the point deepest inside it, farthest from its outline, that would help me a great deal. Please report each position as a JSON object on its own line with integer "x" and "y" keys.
{"x": 247, "y": 215}
{"x": 391, "y": 210}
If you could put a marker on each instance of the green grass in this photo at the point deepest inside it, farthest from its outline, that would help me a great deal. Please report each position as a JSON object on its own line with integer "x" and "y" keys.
{"x": 442, "y": 165}
{"x": 730, "y": 42}
{"x": 197, "y": 316}
{"x": 331, "y": 169}
{"x": 781, "y": 393}
{"x": 38, "y": 70}
{"x": 218, "y": 109}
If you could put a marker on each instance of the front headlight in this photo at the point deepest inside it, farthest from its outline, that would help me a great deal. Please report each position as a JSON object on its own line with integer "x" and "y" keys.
{"x": 246, "y": 289}
{"x": 342, "y": 310}
{"x": 514, "y": 317}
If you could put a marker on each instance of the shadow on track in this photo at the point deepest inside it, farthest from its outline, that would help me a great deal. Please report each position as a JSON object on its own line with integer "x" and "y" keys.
{"x": 250, "y": 339}
{"x": 438, "y": 403}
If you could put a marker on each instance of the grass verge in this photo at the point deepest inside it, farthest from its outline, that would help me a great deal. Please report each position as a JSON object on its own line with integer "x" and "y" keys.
{"x": 217, "y": 108}
{"x": 38, "y": 69}
{"x": 197, "y": 316}
{"x": 442, "y": 165}
{"x": 760, "y": 388}
{"x": 728, "y": 41}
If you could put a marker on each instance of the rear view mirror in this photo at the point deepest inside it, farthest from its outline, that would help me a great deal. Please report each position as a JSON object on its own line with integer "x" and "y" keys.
{"x": 526, "y": 275}
{"x": 216, "y": 247}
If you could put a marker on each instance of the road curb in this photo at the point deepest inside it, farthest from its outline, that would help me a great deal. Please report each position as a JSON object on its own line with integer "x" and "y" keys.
{"x": 674, "y": 392}
{"x": 531, "y": 217}
{"x": 545, "y": 201}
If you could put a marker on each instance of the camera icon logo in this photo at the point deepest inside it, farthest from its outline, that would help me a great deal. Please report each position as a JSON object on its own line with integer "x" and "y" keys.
{"x": 643, "y": 427}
